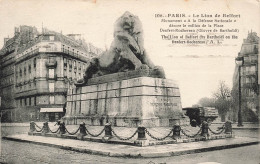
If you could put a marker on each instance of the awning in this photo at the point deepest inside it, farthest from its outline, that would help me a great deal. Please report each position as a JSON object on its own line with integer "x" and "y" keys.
{"x": 51, "y": 110}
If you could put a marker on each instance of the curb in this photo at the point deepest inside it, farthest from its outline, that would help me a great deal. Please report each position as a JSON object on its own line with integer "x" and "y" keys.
{"x": 136, "y": 154}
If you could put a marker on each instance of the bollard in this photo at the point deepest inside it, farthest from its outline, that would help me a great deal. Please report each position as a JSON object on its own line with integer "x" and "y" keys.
{"x": 32, "y": 126}
{"x": 205, "y": 129}
{"x": 228, "y": 127}
{"x": 82, "y": 129}
{"x": 141, "y": 133}
{"x": 46, "y": 128}
{"x": 62, "y": 127}
{"x": 108, "y": 130}
{"x": 176, "y": 131}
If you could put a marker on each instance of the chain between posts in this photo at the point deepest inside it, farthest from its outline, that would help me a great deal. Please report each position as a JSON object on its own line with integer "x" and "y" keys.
{"x": 223, "y": 128}
{"x": 128, "y": 138}
{"x": 54, "y": 131}
{"x": 190, "y": 136}
{"x": 37, "y": 125}
{"x": 95, "y": 135}
{"x": 41, "y": 129}
{"x": 157, "y": 138}
{"x": 73, "y": 133}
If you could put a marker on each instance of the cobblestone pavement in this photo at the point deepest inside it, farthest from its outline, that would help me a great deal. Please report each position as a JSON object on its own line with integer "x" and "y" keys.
{"x": 26, "y": 153}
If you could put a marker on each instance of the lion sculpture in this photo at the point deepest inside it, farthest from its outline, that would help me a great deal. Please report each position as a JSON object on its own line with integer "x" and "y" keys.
{"x": 126, "y": 51}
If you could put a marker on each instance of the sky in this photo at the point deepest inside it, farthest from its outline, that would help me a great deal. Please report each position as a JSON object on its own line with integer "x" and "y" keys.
{"x": 197, "y": 77}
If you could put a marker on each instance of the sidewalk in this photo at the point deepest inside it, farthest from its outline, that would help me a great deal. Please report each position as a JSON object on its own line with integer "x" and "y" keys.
{"x": 23, "y": 124}
{"x": 133, "y": 151}
{"x": 246, "y": 125}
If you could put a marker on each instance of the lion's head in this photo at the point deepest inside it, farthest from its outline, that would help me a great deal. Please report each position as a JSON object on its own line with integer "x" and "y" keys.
{"x": 128, "y": 22}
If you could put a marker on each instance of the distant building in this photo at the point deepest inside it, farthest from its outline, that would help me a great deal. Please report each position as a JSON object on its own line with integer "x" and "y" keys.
{"x": 249, "y": 80}
{"x": 36, "y": 70}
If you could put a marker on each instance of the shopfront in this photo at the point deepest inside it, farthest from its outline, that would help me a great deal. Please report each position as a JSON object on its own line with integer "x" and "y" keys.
{"x": 52, "y": 114}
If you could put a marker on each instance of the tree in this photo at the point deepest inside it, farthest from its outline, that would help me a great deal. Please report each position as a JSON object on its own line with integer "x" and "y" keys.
{"x": 206, "y": 102}
{"x": 222, "y": 99}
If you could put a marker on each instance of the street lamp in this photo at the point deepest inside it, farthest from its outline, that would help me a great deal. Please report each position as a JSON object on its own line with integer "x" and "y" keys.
{"x": 239, "y": 62}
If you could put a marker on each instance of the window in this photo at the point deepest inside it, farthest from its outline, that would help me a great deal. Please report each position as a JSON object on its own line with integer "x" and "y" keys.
{"x": 25, "y": 103}
{"x": 51, "y": 99}
{"x": 65, "y": 62}
{"x": 34, "y": 62}
{"x": 70, "y": 65}
{"x": 24, "y": 71}
{"x": 51, "y": 87}
{"x": 51, "y": 73}
{"x": 51, "y": 37}
{"x": 79, "y": 64}
{"x": 35, "y": 101}
{"x": 30, "y": 101}
{"x": 29, "y": 69}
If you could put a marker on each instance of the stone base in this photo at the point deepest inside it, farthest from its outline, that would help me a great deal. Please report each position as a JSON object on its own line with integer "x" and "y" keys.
{"x": 144, "y": 101}
{"x": 136, "y": 142}
{"x": 122, "y": 122}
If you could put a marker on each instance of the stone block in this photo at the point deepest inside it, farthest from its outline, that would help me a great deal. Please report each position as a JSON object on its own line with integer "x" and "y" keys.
{"x": 102, "y": 87}
{"x": 88, "y": 89}
{"x": 83, "y": 96}
{"x": 93, "y": 95}
{"x": 78, "y": 90}
{"x": 78, "y": 97}
{"x": 69, "y": 91}
{"x": 148, "y": 81}
{"x": 74, "y": 98}
{"x": 123, "y": 106}
{"x": 191, "y": 139}
{"x": 112, "y": 105}
{"x": 93, "y": 107}
{"x": 185, "y": 140}
{"x": 102, "y": 95}
{"x": 84, "y": 106}
{"x": 73, "y": 106}
{"x": 150, "y": 122}
{"x": 113, "y": 93}
{"x": 179, "y": 140}
{"x": 113, "y": 85}
{"x": 162, "y": 106}
{"x": 69, "y": 98}
{"x": 101, "y": 108}
{"x": 78, "y": 109}
{"x": 68, "y": 108}
{"x": 74, "y": 91}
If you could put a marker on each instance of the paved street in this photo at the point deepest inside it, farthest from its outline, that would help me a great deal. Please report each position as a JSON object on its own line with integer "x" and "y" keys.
{"x": 18, "y": 152}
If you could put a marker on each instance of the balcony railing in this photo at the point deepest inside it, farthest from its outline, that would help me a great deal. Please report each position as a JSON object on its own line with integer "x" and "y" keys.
{"x": 51, "y": 63}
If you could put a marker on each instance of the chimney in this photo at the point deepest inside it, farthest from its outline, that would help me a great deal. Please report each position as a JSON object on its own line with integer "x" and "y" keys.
{"x": 5, "y": 40}
{"x": 16, "y": 30}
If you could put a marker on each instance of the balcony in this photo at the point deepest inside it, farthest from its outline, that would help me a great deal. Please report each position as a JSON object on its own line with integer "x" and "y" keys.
{"x": 51, "y": 63}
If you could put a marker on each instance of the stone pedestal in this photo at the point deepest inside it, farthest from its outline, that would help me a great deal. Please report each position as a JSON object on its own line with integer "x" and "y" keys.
{"x": 131, "y": 102}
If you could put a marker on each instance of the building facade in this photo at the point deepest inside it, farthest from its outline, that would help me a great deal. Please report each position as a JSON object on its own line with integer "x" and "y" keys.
{"x": 249, "y": 80}
{"x": 36, "y": 71}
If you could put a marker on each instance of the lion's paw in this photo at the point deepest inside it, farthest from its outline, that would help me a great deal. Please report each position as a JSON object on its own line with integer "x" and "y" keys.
{"x": 143, "y": 66}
